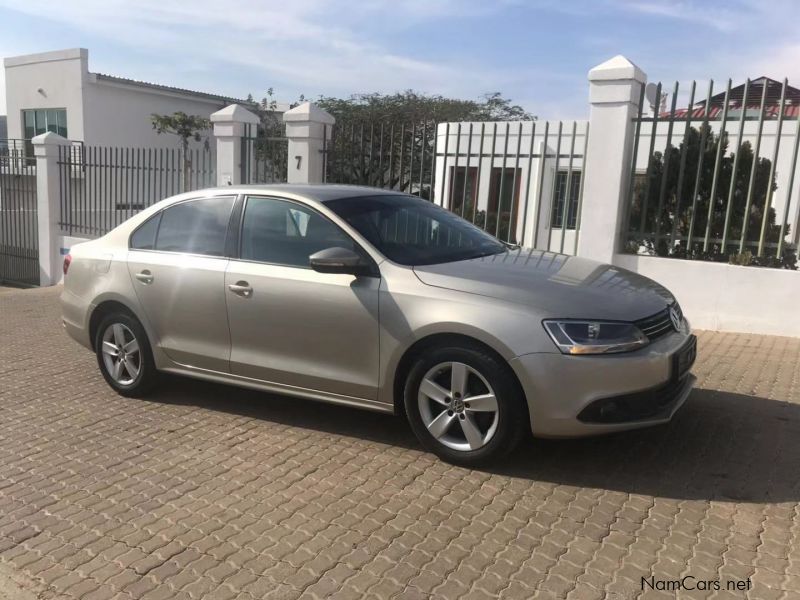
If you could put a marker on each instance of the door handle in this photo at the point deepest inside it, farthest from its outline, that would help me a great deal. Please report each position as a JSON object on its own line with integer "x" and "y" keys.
{"x": 241, "y": 288}
{"x": 146, "y": 277}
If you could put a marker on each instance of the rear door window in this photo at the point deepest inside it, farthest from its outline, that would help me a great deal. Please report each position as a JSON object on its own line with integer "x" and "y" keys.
{"x": 195, "y": 227}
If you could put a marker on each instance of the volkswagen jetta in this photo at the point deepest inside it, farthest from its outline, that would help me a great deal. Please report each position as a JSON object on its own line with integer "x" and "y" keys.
{"x": 378, "y": 300}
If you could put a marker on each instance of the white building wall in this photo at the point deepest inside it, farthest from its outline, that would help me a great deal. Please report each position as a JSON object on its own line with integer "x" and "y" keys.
{"x": 119, "y": 114}
{"x": 99, "y": 111}
{"x": 47, "y": 80}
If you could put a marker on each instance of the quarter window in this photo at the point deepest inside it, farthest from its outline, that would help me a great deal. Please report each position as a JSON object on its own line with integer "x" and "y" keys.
{"x": 195, "y": 227}
{"x": 144, "y": 238}
{"x": 284, "y": 233}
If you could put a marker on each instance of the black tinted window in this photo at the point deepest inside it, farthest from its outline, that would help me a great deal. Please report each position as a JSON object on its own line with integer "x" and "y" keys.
{"x": 144, "y": 238}
{"x": 285, "y": 233}
{"x": 197, "y": 227}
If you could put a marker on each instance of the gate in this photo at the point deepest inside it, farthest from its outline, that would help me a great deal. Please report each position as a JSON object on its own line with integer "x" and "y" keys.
{"x": 19, "y": 245}
{"x": 264, "y": 159}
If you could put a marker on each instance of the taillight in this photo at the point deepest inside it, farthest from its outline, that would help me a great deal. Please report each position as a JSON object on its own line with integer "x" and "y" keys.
{"x": 67, "y": 261}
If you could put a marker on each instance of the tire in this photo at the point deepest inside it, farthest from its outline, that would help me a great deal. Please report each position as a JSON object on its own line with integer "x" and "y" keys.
{"x": 136, "y": 375}
{"x": 429, "y": 398}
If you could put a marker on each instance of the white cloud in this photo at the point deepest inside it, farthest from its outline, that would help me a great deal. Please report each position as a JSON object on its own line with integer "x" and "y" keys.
{"x": 318, "y": 46}
{"x": 340, "y": 47}
{"x": 722, "y": 18}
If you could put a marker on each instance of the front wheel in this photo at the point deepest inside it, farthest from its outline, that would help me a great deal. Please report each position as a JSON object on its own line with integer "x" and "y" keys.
{"x": 464, "y": 405}
{"x": 124, "y": 355}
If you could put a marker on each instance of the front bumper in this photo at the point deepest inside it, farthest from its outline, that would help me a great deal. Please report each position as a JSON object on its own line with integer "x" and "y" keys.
{"x": 574, "y": 396}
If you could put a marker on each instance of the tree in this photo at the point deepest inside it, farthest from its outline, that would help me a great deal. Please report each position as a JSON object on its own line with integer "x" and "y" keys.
{"x": 383, "y": 140}
{"x": 652, "y": 226}
{"x": 411, "y": 106}
{"x": 388, "y": 140}
{"x": 185, "y": 127}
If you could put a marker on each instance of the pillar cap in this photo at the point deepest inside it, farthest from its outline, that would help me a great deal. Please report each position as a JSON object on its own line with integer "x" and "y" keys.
{"x": 234, "y": 113}
{"x": 308, "y": 112}
{"x": 49, "y": 139}
{"x": 615, "y": 69}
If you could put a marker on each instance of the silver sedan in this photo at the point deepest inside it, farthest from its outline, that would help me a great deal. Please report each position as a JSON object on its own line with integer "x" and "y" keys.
{"x": 383, "y": 301}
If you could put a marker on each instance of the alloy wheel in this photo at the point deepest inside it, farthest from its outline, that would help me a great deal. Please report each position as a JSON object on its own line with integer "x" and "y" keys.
{"x": 121, "y": 355}
{"x": 458, "y": 406}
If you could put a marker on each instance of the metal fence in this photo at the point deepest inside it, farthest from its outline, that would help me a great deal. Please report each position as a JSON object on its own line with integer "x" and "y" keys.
{"x": 19, "y": 240}
{"x": 264, "y": 159}
{"x": 397, "y": 156}
{"x": 516, "y": 180}
{"x": 520, "y": 181}
{"x": 103, "y": 186}
{"x": 715, "y": 179}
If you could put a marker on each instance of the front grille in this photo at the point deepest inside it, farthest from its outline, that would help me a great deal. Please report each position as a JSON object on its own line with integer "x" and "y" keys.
{"x": 659, "y": 324}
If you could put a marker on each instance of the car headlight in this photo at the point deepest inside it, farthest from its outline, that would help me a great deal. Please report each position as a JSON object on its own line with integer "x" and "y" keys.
{"x": 595, "y": 337}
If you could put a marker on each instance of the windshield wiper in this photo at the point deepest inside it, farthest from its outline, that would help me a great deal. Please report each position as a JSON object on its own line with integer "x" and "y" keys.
{"x": 482, "y": 254}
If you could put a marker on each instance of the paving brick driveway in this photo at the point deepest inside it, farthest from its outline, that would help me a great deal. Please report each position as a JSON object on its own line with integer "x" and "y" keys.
{"x": 205, "y": 491}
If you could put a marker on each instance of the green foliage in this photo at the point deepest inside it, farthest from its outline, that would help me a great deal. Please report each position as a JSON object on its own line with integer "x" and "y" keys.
{"x": 652, "y": 226}
{"x": 382, "y": 140}
{"x": 184, "y": 126}
{"x": 411, "y": 106}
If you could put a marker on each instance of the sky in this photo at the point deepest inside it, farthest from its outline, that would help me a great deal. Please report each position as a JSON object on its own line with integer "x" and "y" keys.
{"x": 536, "y": 52}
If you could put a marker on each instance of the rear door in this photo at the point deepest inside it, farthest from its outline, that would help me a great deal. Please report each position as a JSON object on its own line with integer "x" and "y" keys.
{"x": 177, "y": 264}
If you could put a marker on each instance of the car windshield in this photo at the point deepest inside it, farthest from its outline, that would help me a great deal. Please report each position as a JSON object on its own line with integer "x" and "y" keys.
{"x": 411, "y": 231}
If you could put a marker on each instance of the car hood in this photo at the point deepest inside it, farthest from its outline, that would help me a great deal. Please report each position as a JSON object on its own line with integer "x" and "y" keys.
{"x": 556, "y": 285}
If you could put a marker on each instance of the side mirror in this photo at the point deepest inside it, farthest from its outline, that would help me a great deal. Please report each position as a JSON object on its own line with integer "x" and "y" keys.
{"x": 339, "y": 260}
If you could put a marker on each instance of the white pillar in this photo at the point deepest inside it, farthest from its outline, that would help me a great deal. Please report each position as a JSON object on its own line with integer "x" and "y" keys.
{"x": 614, "y": 89}
{"x": 231, "y": 124}
{"x": 307, "y": 126}
{"x": 48, "y": 189}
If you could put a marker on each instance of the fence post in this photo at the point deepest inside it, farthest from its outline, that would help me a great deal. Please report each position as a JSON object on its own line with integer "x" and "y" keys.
{"x": 614, "y": 89}
{"x": 232, "y": 124}
{"x": 48, "y": 189}
{"x": 307, "y": 126}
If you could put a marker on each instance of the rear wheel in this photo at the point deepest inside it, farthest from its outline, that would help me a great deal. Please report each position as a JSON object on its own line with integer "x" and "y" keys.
{"x": 464, "y": 405}
{"x": 124, "y": 355}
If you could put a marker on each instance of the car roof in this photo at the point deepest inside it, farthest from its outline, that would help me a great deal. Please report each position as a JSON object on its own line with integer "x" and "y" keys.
{"x": 319, "y": 192}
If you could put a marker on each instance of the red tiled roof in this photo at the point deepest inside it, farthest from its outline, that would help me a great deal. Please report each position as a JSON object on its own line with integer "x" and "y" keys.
{"x": 755, "y": 90}
{"x": 715, "y": 112}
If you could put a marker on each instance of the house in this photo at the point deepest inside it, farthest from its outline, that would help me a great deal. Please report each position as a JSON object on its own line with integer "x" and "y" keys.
{"x": 55, "y": 91}
{"x": 772, "y": 101}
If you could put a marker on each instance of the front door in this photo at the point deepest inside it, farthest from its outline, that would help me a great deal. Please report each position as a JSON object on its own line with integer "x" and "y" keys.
{"x": 290, "y": 324}
{"x": 177, "y": 267}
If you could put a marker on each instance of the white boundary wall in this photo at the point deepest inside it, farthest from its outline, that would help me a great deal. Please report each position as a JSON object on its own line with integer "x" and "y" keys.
{"x": 725, "y": 297}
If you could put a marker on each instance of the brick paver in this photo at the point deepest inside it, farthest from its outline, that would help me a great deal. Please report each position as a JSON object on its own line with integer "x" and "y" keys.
{"x": 205, "y": 491}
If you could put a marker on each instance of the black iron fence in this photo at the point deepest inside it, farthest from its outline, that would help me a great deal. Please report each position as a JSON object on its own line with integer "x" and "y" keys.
{"x": 397, "y": 156}
{"x": 19, "y": 240}
{"x": 103, "y": 186}
{"x": 264, "y": 159}
{"x": 715, "y": 179}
